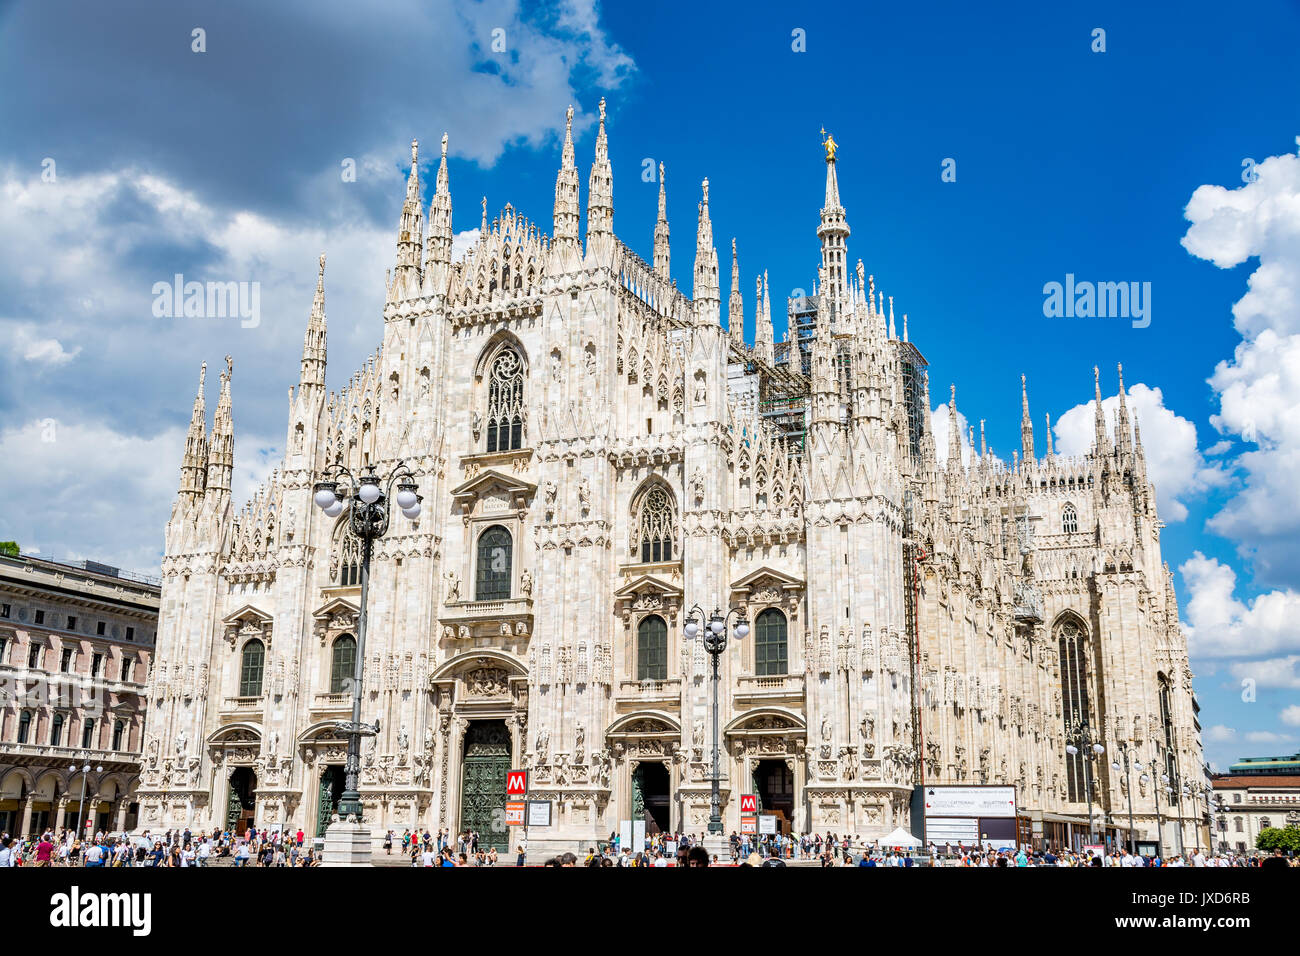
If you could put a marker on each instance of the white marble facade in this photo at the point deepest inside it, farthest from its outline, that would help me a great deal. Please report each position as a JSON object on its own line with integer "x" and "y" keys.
{"x": 593, "y": 462}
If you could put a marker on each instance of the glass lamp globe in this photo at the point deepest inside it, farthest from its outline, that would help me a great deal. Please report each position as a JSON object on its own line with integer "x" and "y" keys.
{"x": 334, "y": 510}
{"x": 1144, "y": 778}
{"x": 692, "y": 629}
{"x": 406, "y": 496}
{"x": 1071, "y": 749}
{"x": 324, "y": 496}
{"x": 412, "y": 512}
{"x": 1114, "y": 765}
{"x": 1098, "y": 749}
{"x": 1137, "y": 765}
{"x": 369, "y": 492}
{"x": 717, "y": 625}
{"x": 742, "y": 629}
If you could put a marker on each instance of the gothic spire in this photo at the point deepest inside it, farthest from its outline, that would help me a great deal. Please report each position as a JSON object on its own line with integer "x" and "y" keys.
{"x": 1026, "y": 426}
{"x": 600, "y": 193}
{"x": 706, "y": 293}
{"x": 1050, "y": 452}
{"x": 764, "y": 347}
{"x": 661, "y": 232}
{"x": 954, "y": 430}
{"x": 221, "y": 450}
{"x": 1101, "y": 446}
{"x": 437, "y": 251}
{"x": 566, "y": 195}
{"x": 195, "y": 463}
{"x": 1123, "y": 437}
{"x": 313, "y": 344}
{"x": 833, "y": 230}
{"x": 410, "y": 235}
{"x": 736, "y": 304}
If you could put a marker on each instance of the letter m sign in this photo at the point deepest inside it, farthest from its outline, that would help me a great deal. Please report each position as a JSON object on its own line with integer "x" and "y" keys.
{"x": 516, "y": 783}
{"x": 748, "y": 803}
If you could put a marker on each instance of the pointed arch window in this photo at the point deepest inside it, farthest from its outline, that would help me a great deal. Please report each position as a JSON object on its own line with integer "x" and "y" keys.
{"x": 343, "y": 661}
{"x": 495, "y": 557}
{"x": 252, "y": 663}
{"x": 1069, "y": 520}
{"x": 652, "y": 649}
{"x": 505, "y": 411}
{"x": 771, "y": 647}
{"x": 655, "y": 527}
{"x": 1071, "y": 646}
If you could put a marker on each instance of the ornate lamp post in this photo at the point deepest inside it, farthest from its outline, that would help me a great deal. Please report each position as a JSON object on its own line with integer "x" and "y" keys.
{"x": 367, "y": 502}
{"x": 81, "y": 807}
{"x": 1079, "y": 739}
{"x": 714, "y": 633}
{"x": 1222, "y": 810}
{"x": 1128, "y": 768}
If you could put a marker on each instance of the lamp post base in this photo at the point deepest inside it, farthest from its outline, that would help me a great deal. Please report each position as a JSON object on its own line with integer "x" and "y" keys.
{"x": 347, "y": 843}
{"x": 719, "y": 848}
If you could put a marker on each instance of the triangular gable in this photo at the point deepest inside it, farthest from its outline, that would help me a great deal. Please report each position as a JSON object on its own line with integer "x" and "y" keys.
{"x": 471, "y": 489}
{"x": 780, "y": 578}
{"x": 647, "y": 582}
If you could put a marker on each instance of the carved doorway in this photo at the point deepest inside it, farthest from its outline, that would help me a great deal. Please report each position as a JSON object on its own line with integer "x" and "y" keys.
{"x": 241, "y": 800}
{"x": 483, "y": 782}
{"x": 651, "y": 797}
{"x": 331, "y": 792}
{"x": 774, "y": 787}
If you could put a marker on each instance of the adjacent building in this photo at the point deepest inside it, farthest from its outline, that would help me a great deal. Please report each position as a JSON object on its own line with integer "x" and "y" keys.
{"x": 598, "y": 455}
{"x": 76, "y": 644}
{"x": 1255, "y": 794}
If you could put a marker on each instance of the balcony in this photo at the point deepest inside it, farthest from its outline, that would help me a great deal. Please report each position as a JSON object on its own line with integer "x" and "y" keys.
{"x": 651, "y": 691}
{"x": 341, "y": 702}
{"x": 241, "y": 706}
{"x": 777, "y": 688}
{"x": 47, "y": 755}
{"x": 505, "y": 618}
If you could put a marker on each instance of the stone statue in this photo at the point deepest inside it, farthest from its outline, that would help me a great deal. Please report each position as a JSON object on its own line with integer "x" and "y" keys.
{"x": 584, "y": 493}
{"x": 551, "y": 492}
{"x": 403, "y": 739}
{"x": 181, "y": 740}
{"x": 453, "y": 587}
{"x": 826, "y": 728}
{"x": 579, "y": 737}
{"x": 543, "y": 745}
{"x": 526, "y": 583}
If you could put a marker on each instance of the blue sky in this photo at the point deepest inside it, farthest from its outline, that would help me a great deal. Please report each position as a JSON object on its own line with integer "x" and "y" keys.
{"x": 225, "y": 164}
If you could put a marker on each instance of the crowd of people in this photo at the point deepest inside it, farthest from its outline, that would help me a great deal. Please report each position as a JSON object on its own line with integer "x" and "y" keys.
{"x": 180, "y": 848}
{"x": 275, "y": 848}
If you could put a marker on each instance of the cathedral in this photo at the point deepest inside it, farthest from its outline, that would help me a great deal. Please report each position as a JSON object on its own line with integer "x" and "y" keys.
{"x": 598, "y": 456}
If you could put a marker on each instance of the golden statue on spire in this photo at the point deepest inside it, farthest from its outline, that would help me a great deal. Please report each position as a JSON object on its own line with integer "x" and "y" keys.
{"x": 830, "y": 144}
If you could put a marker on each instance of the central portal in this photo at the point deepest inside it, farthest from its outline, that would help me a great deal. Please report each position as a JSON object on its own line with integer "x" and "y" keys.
{"x": 483, "y": 783}
{"x": 650, "y": 797}
{"x": 331, "y": 792}
{"x": 774, "y": 786}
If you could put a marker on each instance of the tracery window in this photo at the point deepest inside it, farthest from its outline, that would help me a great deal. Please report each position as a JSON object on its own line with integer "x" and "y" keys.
{"x": 349, "y": 560}
{"x": 250, "y": 669}
{"x": 1069, "y": 520}
{"x": 505, "y": 411}
{"x": 495, "y": 557}
{"x": 343, "y": 660}
{"x": 655, "y": 528}
{"x": 652, "y": 649}
{"x": 770, "y": 644}
{"x": 1074, "y": 697}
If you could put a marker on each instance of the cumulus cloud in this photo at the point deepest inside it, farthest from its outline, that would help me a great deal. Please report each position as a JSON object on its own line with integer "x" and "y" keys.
{"x": 40, "y": 350}
{"x": 1217, "y": 624}
{"x": 1219, "y": 734}
{"x": 939, "y": 424}
{"x": 1274, "y": 673}
{"x": 1290, "y": 715}
{"x": 1174, "y": 464}
{"x": 1259, "y": 387}
{"x": 1267, "y": 737}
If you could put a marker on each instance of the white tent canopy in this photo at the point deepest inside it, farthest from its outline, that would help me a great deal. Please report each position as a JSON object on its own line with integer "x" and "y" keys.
{"x": 899, "y": 837}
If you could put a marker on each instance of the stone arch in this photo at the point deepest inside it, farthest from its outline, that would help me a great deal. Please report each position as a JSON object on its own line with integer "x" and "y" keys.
{"x": 663, "y": 528}
{"x": 643, "y": 722}
{"x": 477, "y": 657}
{"x": 498, "y": 341}
{"x": 793, "y": 722}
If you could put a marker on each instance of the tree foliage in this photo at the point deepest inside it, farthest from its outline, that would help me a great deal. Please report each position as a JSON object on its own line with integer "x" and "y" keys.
{"x": 1273, "y": 838}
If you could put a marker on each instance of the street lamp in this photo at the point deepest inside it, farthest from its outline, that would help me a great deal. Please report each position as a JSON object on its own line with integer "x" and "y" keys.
{"x": 84, "y": 771}
{"x": 1128, "y": 768}
{"x": 715, "y": 642}
{"x": 367, "y": 502}
{"x": 1079, "y": 740}
{"x": 1222, "y": 810}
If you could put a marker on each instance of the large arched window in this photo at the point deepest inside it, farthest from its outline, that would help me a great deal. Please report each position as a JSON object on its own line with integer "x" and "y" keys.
{"x": 655, "y": 527}
{"x": 1071, "y": 642}
{"x": 770, "y": 644}
{"x": 119, "y": 731}
{"x": 24, "y": 726}
{"x": 1069, "y": 520}
{"x": 505, "y": 411}
{"x": 1167, "y": 726}
{"x": 56, "y": 731}
{"x": 652, "y": 649}
{"x": 495, "y": 556}
{"x": 343, "y": 663}
{"x": 349, "y": 560}
{"x": 251, "y": 665}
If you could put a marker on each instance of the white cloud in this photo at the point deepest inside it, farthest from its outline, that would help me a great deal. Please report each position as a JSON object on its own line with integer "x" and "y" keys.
{"x": 1290, "y": 715}
{"x": 939, "y": 419}
{"x": 1174, "y": 465}
{"x": 1277, "y": 673}
{"x": 1267, "y": 737}
{"x": 1219, "y": 625}
{"x": 1259, "y": 388}
{"x": 41, "y": 351}
{"x": 1219, "y": 734}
